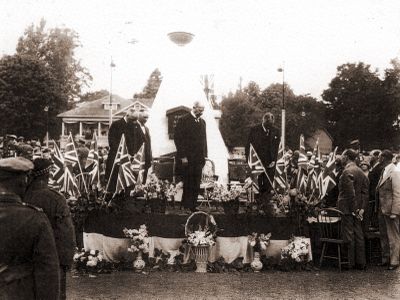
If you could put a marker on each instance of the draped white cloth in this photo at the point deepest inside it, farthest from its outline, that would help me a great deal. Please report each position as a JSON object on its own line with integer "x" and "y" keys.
{"x": 230, "y": 248}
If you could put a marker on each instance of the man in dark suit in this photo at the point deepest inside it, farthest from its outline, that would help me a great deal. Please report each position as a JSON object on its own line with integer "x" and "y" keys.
{"x": 191, "y": 146}
{"x": 353, "y": 202}
{"x": 265, "y": 140}
{"x": 117, "y": 129}
{"x": 142, "y": 137}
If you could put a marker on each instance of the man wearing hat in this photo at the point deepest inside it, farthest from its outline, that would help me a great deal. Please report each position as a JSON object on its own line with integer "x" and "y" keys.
{"x": 55, "y": 207}
{"x": 28, "y": 254}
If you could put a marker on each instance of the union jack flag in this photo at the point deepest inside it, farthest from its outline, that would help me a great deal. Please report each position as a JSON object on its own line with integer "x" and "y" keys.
{"x": 327, "y": 177}
{"x": 302, "y": 163}
{"x": 280, "y": 178}
{"x": 314, "y": 169}
{"x": 57, "y": 172}
{"x": 126, "y": 176}
{"x": 92, "y": 163}
{"x": 70, "y": 186}
{"x": 254, "y": 162}
{"x": 70, "y": 154}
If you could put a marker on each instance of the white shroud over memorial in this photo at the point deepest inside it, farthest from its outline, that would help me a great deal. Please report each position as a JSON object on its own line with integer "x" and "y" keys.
{"x": 181, "y": 86}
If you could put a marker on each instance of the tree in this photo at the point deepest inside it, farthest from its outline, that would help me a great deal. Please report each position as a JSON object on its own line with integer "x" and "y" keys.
{"x": 362, "y": 106}
{"x": 91, "y": 96}
{"x": 238, "y": 116}
{"x": 27, "y": 87}
{"x": 242, "y": 110}
{"x": 152, "y": 86}
{"x": 55, "y": 47}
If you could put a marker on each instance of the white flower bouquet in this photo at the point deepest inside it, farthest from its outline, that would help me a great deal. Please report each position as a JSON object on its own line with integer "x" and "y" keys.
{"x": 201, "y": 238}
{"x": 296, "y": 251}
{"x": 91, "y": 262}
{"x": 139, "y": 239}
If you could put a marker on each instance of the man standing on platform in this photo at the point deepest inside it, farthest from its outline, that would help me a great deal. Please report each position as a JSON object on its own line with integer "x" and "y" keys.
{"x": 191, "y": 146}
{"x": 118, "y": 128}
{"x": 352, "y": 202}
{"x": 142, "y": 137}
{"x": 265, "y": 140}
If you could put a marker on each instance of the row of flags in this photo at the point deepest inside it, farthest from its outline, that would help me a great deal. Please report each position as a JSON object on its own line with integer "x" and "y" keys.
{"x": 311, "y": 180}
{"x": 69, "y": 176}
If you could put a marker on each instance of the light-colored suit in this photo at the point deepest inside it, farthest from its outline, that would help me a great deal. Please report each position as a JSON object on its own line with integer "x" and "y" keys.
{"x": 389, "y": 202}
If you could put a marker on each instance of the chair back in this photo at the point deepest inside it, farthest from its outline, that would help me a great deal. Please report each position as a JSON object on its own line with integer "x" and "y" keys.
{"x": 208, "y": 172}
{"x": 329, "y": 221}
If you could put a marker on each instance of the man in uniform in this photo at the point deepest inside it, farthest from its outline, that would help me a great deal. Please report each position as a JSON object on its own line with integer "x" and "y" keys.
{"x": 55, "y": 207}
{"x": 28, "y": 254}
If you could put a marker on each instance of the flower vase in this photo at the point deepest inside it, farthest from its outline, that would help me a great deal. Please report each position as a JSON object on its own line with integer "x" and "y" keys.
{"x": 201, "y": 257}
{"x": 256, "y": 264}
{"x": 139, "y": 263}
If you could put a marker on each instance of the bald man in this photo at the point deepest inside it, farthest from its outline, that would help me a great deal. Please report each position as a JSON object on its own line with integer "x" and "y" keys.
{"x": 191, "y": 146}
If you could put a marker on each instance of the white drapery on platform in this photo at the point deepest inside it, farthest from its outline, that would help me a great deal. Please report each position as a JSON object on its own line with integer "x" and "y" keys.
{"x": 230, "y": 248}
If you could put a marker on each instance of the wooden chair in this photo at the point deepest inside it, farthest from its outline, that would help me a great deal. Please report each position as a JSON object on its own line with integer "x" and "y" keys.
{"x": 329, "y": 221}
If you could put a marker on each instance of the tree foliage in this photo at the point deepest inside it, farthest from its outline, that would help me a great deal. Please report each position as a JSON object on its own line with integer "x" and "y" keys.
{"x": 244, "y": 109}
{"x": 363, "y": 106}
{"x": 27, "y": 86}
{"x": 55, "y": 47}
{"x": 152, "y": 86}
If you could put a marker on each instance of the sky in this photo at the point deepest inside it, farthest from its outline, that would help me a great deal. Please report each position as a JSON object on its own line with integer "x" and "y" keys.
{"x": 234, "y": 39}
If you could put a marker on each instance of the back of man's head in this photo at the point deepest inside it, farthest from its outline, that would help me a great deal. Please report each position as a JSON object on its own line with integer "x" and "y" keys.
{"x": 351, "y": 154}
{"x": 386, "y": 155}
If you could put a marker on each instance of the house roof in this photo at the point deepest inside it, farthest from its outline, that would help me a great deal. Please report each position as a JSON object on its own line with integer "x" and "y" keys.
{"x": 95, "y": 108}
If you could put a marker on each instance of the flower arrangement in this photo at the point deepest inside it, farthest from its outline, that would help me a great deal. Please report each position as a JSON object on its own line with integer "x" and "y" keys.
{"x": 297, "y": 251}
{"x": 221, "y": 192}
{"x": 91, "y": 262}
{"x": 200, "y": 229}
{"x": 259, "y": 242}
{"x": 201, "y": 237}
{"x": 139, "y": 239}
{"x": 279, "y": 204}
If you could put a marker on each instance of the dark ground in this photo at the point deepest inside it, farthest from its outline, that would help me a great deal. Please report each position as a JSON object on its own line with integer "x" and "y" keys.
{"x": 375, "y": 283}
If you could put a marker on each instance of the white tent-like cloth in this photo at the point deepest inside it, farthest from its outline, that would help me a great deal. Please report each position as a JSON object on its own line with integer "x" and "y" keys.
{"x": 181, "y": 86}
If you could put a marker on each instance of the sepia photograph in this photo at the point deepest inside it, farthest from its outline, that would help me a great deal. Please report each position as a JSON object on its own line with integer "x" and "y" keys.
{"x": 199, "y": 149}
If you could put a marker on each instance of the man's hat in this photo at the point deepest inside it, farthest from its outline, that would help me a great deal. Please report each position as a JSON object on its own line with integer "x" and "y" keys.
{"x": 14, "y": 166}
{"x": 12, "y": 136}
{"x": 354, "y": 143}
{"x": 42, "y": 166}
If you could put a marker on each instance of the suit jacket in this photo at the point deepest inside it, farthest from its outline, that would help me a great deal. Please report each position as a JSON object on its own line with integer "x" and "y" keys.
{"x": 118, "y": 128}
{"x": 353, "y": 189}
{"x": 374, "y": 176}
{"x": 265, "y": 143}
{"x": 141, "y": 138}
{"x": 389, "y": 191}
{"x": 190, "y": 139}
